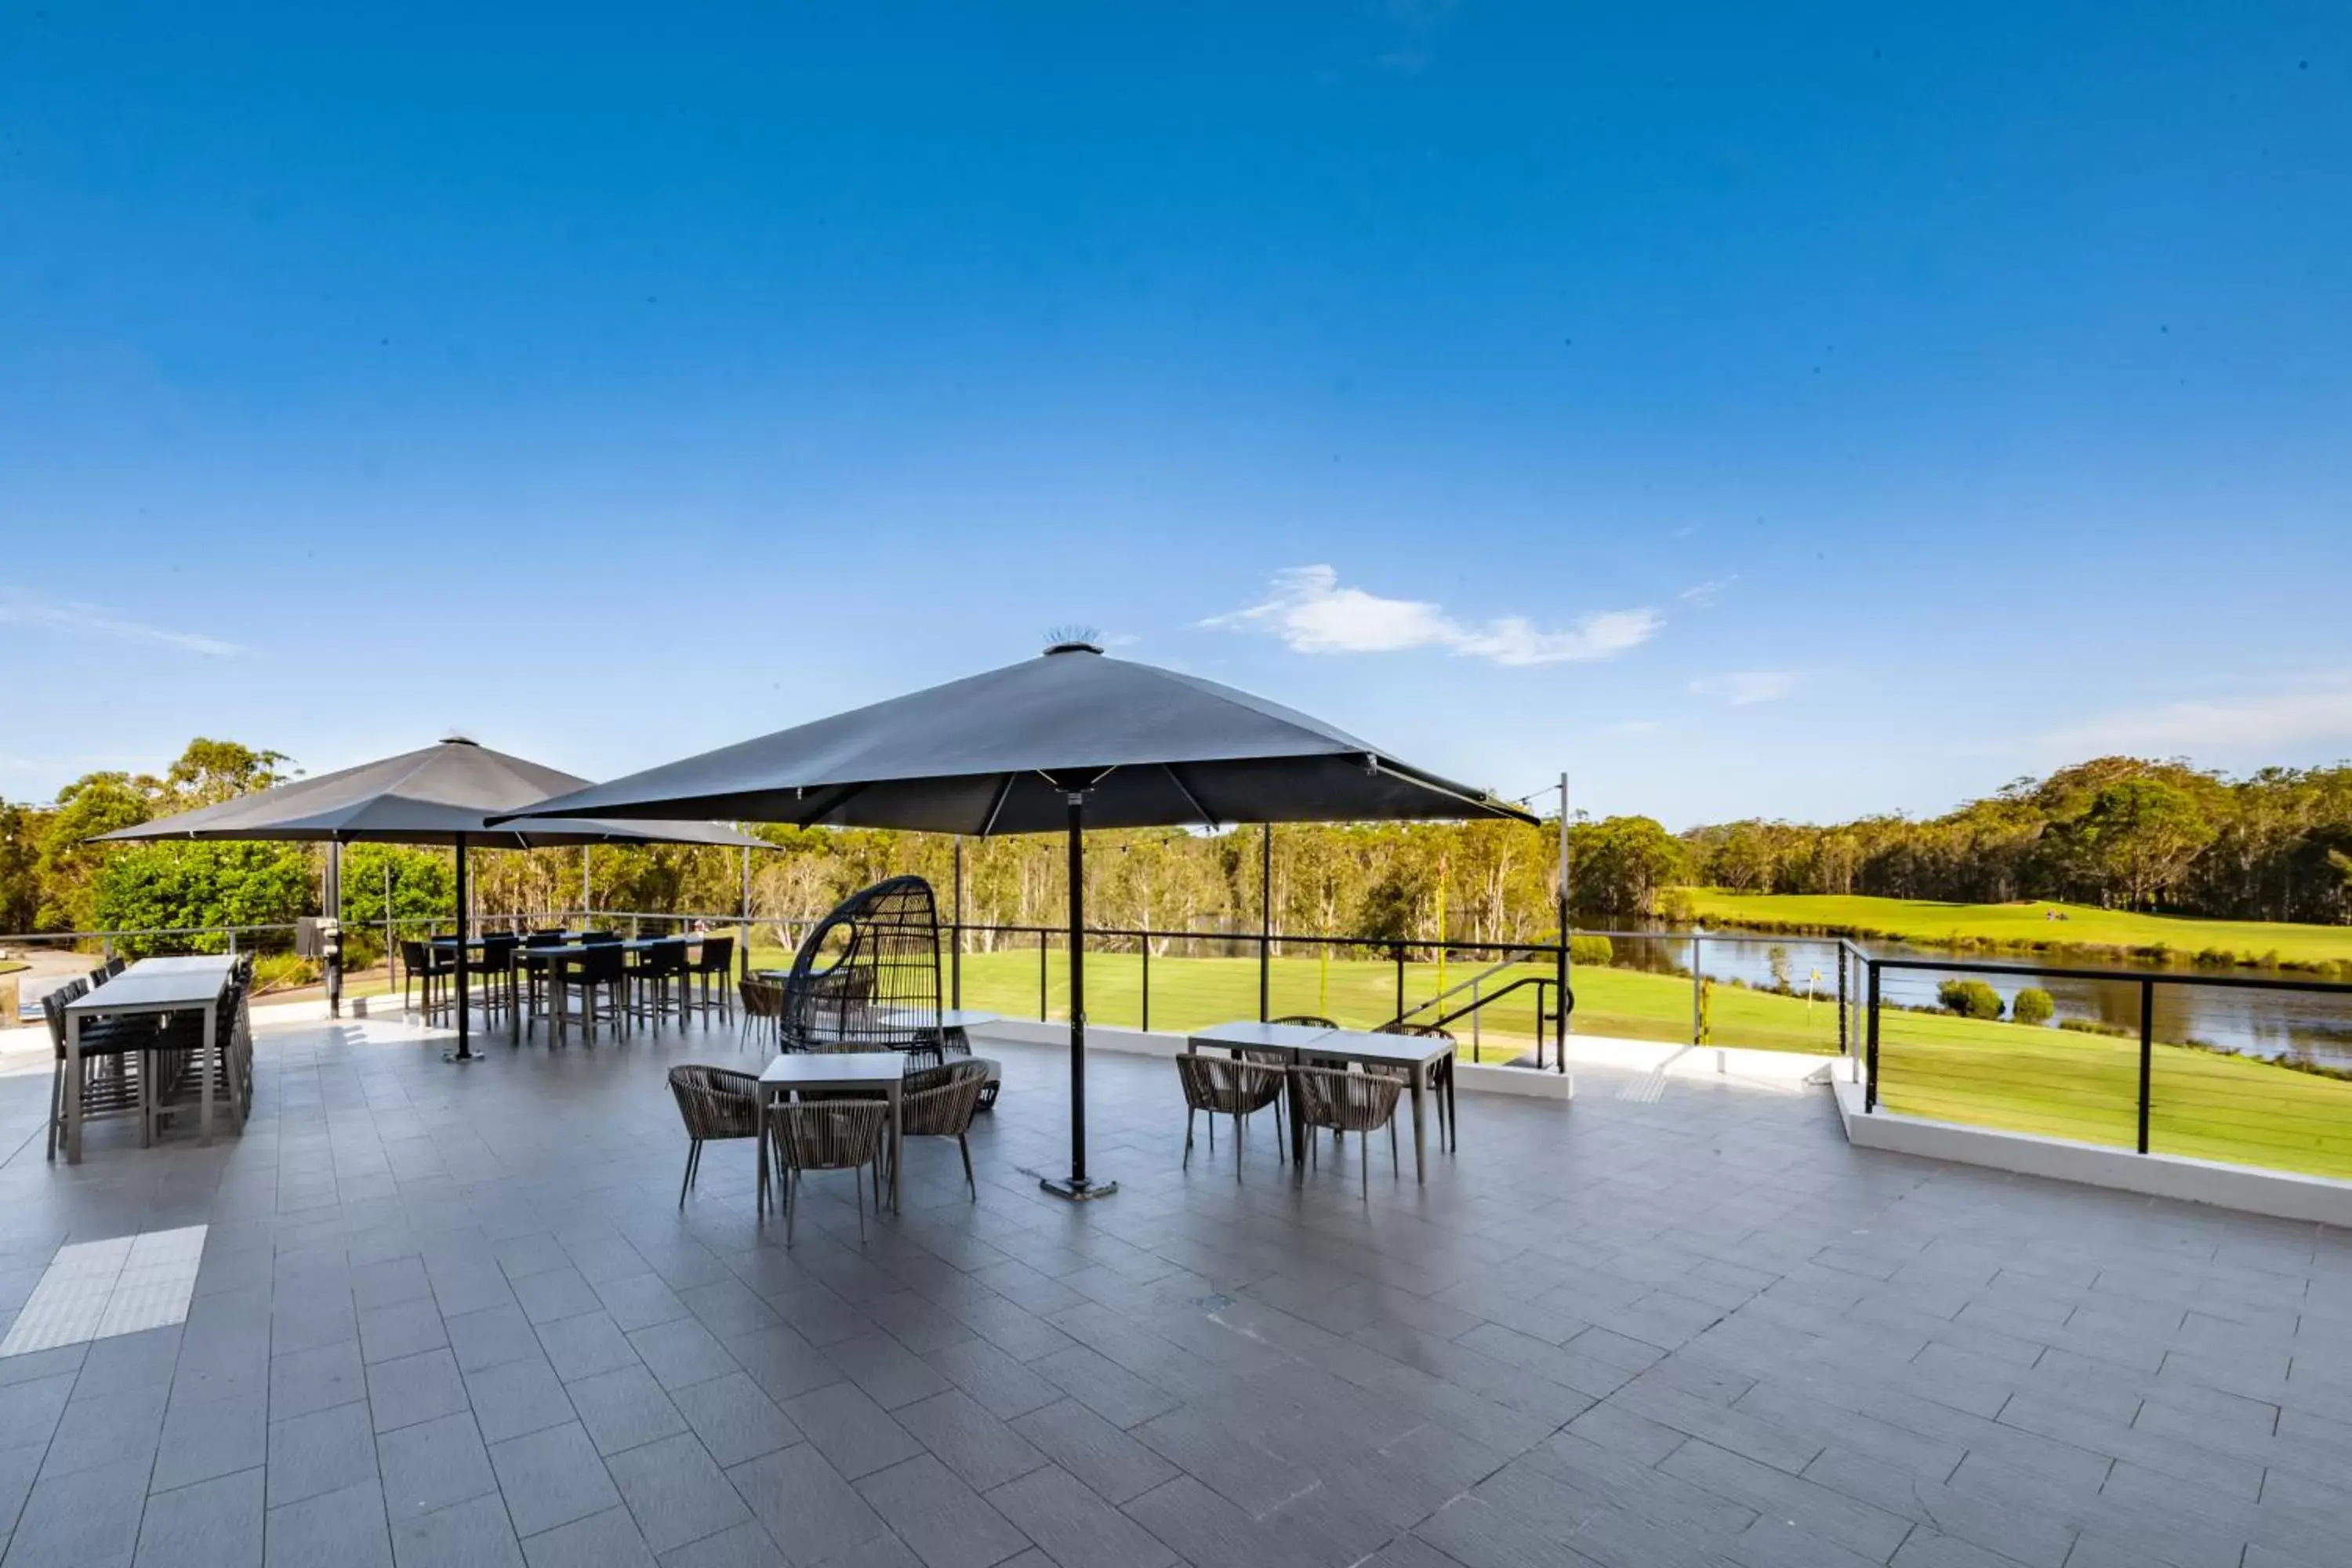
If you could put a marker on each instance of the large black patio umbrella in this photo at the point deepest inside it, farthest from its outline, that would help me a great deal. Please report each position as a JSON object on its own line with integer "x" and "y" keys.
{"x": 1070, "y": 739}
{"x": 443, "y": 794}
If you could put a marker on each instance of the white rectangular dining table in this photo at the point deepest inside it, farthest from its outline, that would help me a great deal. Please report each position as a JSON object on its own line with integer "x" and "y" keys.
{"x": 151, "y": 986}
{"x": 1417, "y": 1054}
{"x": 798, "y": 1072}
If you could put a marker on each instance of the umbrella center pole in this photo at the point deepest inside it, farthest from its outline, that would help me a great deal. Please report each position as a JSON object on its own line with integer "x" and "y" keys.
{"x": 1077, "y": 1187}
{"x": 464, "y": 1051}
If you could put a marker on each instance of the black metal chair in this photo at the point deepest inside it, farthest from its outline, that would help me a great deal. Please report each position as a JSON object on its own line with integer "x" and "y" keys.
{"x": 494, "y": 974}
{"x": 424, "y": 960}
{"x": 113, "y": 1075}
{"x": 868, "y": 975}
{"x": 712, "y": 974}
{"x": 599, "y": 974}
{"x": 657, "y": 982}
{"x": 534, "y": 971}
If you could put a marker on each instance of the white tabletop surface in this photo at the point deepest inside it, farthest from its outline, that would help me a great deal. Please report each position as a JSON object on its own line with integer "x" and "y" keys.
{"x": 158, "y": 982}
{"x": 1250, "y": 1033}
{"x": 818, "y": 1069}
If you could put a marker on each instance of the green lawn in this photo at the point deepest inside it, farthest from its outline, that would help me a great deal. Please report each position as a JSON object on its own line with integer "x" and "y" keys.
{"x": 2028, "y": 1080}
{"x": 2024, "y": 926}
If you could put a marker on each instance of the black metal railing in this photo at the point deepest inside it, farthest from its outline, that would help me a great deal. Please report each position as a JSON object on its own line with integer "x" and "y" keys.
{"x": 2276, "y": 1092}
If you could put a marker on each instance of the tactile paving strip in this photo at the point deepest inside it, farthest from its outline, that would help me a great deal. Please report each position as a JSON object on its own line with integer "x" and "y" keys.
{"x": 96, "y": 1290}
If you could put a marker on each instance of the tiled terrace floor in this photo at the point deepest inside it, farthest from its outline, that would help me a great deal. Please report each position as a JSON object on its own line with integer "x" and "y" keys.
{"x": 451, "y": 1317}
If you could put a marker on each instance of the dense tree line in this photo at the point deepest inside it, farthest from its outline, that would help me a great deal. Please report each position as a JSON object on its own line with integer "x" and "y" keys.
{"x": 2115, "y": 831}
{"x": 2119, "y": 832}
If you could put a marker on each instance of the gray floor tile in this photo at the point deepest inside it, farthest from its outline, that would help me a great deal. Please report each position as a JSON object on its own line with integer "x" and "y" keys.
{"x": 517, "y": 1396}
{"x": 433, "y": 1465}
{"x": 551, "y": 1478}
{"x": 889, "y": 1372}
{"x": 801, "y": 1498}
{"x": 623, "y": 1408}
{"x": 81, "y": 1517}
{"x": 345, "y": 1529}
{"x": 1073, "y": 1526}
{"x": 984, "y": 1451}
{"x": 607, "y": 1539}
{"x": 943, "y": 1520}
{"x": 401, "y": 1329}
{"x": 675, "y": 1491}
{"x": 216, "y": 1523}
{"x": 490, "y": 1337}
{"x": 682, "y": 1352}
{"x": 735, "y": 1419}
{"x": 473, "y": 1535}
{"x": 315, "y": 1379}
{"x": 639, "y": 1301}
{"x": 211, "y": 1437}
{"x": 584, "y": 1345}
{"x": 124, "y": 1362}
{"x": 108, "y": 1429}
{"x": 857, "y": 1436}
{"x": 745, "y": 1546}
{"x": 1099, "y": 1454}
{"x": 325, "y": 1451}
{"x": 415, "y": 1388}
{"x": 559, "y": 1292}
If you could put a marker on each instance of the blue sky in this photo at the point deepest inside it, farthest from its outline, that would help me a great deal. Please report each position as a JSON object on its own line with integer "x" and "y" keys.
{"x": 1795, "y": 412}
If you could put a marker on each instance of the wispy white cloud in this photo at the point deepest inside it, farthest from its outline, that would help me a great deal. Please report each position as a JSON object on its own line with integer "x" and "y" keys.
{"x": 64, "y": 614}
{"x": 2316, "y": 710}
{"x": 1700, "y": 595}
{"x": 1312, "y": 612}
{"x": 1740, "y": 687}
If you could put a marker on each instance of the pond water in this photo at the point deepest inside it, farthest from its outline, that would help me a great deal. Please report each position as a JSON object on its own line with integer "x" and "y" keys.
{"x": 2312, "y": 1027}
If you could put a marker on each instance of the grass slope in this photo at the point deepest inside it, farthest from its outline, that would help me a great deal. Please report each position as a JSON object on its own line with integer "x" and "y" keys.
{"x": 2025, "y": 927}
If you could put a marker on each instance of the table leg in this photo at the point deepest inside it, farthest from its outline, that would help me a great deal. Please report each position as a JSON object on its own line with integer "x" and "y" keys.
{"x": 1453, "y": 1111}
{"x": 73, "y": 1088}
{"x": 1420, "y": 1134}
{"x": 897, "y": 1142}
{"x": 1297, "y": 1124}
{"x": 205, "y": 1066}
{"x": 760, "y": 1120}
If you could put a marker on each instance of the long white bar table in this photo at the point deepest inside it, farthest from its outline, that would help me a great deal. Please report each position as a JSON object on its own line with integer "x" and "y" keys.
{"x": 149, "y": 986}
{"x": 1418, "y": 1055}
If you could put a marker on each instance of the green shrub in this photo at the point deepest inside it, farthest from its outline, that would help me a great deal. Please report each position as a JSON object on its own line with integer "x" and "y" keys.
{"x": 2093, "y": 1027}
{"x": 1968, "y": 998}
{"x": 1596, "y": 950}
{"x": 2033, "y": 1005}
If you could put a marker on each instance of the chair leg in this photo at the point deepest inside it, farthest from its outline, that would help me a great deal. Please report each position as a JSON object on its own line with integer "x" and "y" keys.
{"x": 693, "y": 1149}
{"x": 860, "y": 1175}
{"x": 1188, "y": 1136}
{"x": 1364, "y": 1166}
{"x": 970, "y": 1184}
{"x": 1238, "y": 1143}
{"x": 792, "y": 1204}
{"x": 56, "y": 1100}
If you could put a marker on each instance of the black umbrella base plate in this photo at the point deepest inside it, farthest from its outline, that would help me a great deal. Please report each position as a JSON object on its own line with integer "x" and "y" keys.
{"x": 469, "y": 1056}
{"x": 1077, "y": 1191}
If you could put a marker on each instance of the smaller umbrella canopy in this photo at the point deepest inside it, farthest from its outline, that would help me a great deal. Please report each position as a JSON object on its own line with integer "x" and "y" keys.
{"x": 443, "y": 794}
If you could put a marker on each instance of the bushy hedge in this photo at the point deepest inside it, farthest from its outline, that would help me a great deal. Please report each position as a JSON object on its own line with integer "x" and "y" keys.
{"x": 2033, "y": 1005}
{"x": 1968, "y": 998}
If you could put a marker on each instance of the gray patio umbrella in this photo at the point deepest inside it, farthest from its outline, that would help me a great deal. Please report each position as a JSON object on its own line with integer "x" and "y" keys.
{"x": 1070, "y": 740}
{"x": 443, "y": 794}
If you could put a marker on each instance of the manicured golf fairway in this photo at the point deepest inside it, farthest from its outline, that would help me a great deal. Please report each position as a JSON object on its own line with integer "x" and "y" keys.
{"x": 2022, "y": 926}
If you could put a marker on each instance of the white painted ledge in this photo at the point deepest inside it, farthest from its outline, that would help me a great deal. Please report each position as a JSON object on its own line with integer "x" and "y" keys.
{"x": 2279, "y": 1193}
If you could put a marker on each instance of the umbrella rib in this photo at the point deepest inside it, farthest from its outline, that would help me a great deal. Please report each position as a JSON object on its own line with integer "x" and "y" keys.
{"x": 1486, "y": 803}
{"x": 1189, "y": 798}
{"x": 996, "y": 806}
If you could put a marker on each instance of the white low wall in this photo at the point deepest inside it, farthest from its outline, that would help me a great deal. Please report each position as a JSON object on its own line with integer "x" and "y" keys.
{"x": 1477, "y": 1078}
{"x": 2280, "y": 1193}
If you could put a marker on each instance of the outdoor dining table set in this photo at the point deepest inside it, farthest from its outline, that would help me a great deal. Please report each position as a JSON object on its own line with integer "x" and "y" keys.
{"x": 123, "y": 1046}
{"x": 1314, "y": 1057}
{"x": 546, "y": 965}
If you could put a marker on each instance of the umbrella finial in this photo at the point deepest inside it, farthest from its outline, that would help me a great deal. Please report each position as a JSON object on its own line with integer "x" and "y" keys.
{"x": 1074, "y": 640}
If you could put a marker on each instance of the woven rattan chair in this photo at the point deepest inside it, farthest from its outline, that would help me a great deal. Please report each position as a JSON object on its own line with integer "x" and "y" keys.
{"x": 828, "y": 1135}
{"x": 763, "y": 1011}
{"x": 1350, "y": 1102}
{"x": 714, "y": 1103}
{"x": 1223, "y": 1086}
{"x": 868, "y": 975}
{"x": 940, "y": 1103}
{"x": 1304, "y": 1021}
{"x": 1440, "y": 1076}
